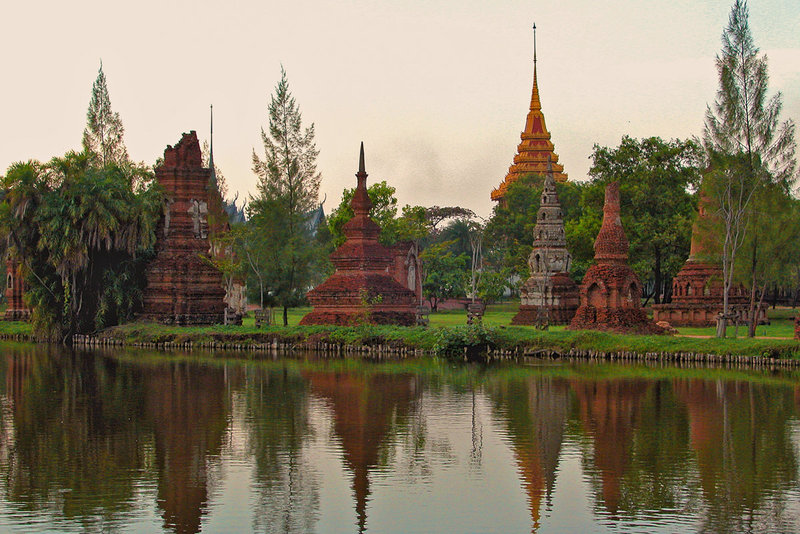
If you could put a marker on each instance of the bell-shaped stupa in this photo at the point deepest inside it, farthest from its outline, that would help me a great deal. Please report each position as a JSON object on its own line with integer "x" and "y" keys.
{"x": 611, "y": 293}
{"x": 361, "y": 290}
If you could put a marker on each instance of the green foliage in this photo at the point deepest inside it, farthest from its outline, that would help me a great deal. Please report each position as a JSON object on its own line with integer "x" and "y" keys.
{"x": 102, "y": 137}
{"x": 82, "y": 233}
{"x": 445, "y": 273}
{"x": 657, "y": 208}
{"x": 458, "y": 341}
{"x": 281, "y": 251}
{"x": 509, "y": 231}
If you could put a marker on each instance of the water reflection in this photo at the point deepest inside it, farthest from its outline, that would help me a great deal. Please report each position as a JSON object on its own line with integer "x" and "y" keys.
{"x": 136, "y": 441}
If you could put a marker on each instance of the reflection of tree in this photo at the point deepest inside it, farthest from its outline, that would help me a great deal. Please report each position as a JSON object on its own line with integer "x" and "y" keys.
{"x": 288, "y": 490}
{"x": 535, "y": 411}
{"x": 658, "y": 477}
{"x": 609, "y": 412}
{"x": 740, "y": 435}
{"x": 187, "y": 405}
{"x": 367, "y": 411}
{"x": 74, "y": 448}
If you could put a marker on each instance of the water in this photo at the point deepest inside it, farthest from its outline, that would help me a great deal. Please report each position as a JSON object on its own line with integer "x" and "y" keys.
{"x": 136, "y": 441}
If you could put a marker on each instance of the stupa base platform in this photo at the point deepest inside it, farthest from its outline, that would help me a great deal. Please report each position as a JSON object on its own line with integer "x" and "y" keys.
{"x": 617, "y": 320}
{"x": 530, "y": 315}
{"x": 17, "y": 315}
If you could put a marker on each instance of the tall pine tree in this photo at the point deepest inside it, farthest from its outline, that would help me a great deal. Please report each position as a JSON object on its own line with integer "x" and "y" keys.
{"x": 288, "y": 190}
{"x": 102, "y": 137}
{"x": 747, "y": 145}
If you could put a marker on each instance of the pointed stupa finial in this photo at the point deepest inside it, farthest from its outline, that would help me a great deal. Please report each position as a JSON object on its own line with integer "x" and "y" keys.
{"x": 549, "y": 178}
{"x": 361, "y": 202}
{"x": 211, "y": 142}
{"x": 535, "y": 102}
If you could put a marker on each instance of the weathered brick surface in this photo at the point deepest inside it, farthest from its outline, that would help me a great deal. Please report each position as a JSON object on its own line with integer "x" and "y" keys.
{"x": 549, "y": 294}
{"x": 361, "y": 290}
{"x": 182, "y": 287}
{"x": 611, "y": 293}
{"x": 16, "y": 309}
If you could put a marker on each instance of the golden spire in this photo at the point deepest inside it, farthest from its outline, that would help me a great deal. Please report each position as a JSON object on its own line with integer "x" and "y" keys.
{"x": 535, "y": 148}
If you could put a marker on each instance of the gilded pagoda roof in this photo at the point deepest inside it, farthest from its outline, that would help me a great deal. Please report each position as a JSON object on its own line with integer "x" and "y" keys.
{"x": 534, "y": 148}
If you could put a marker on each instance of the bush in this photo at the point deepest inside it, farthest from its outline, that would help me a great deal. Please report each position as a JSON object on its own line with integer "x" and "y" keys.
{"x": 469, "y": 341}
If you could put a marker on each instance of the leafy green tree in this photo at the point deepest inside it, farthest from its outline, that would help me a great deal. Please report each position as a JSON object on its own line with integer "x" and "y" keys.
{"x": 102, "y": 137}
{"x": 657, "y": 208}
{"x": 510, "y": 228}
{"x": 383, "y": 211}
{"x": 83, "y": 235}
{"x": 746, "y": 144}
{"x": 288, "y": 190}
{"x": 445, "y": 274}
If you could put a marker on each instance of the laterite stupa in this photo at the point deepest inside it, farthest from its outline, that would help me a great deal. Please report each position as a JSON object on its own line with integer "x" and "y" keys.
{"x": 549, "y": 296}
{"x": 182, "y": 287}
{"x": 535, "y": 148}
{"x": 697, "y": 289}
{"x": 16, "y": 310}
{"x": 611, "y": 293}
{"x": 361, "y": 289}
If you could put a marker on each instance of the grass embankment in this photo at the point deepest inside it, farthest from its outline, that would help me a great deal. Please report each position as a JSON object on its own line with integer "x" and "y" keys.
{"x": 447, "y": 333}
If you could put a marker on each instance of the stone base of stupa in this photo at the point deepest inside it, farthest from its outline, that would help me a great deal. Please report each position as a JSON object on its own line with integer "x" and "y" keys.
{"x": 558, "y": 306}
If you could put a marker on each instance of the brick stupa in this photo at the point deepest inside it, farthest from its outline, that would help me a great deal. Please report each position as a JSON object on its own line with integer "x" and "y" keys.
{"x": 697, "y": 289}
{"x": 535, "y": 148}
{"x": 16, "y": 310}
{"x": 361, "y": 290}
{"x": 549, "y": 296}
{"x": 611, "y": 293}
{"x": 182, "y": 287}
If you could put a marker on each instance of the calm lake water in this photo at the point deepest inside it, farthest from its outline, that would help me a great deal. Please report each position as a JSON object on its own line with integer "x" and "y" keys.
{"x": 142, "y": 442}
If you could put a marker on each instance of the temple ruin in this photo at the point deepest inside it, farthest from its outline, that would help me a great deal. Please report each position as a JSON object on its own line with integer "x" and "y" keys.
{"x": 183, "y": 287}
{"x": 697, "y": 289}
{"x": 549, "y": 296}
{"x": 611, "y": 293}
{"x": 361, "y": 290}
{"x": 16, "y": 310}
{"x": 535, "y": 149}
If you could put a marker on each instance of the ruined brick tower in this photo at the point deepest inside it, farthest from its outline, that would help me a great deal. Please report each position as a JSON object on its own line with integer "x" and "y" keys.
{"x": 697, "y": 289}
{"x": 611, "y": 293}
{"x": 535, "y": 148}
{"x": 549, "y": 295}
{"x": 183, "y": 288}
{"x": 361, "y": 289}
{"x": 16, "y": 310}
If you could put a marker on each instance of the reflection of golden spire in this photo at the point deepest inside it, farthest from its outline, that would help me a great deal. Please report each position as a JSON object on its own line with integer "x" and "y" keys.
{"x": 535, "y": 146}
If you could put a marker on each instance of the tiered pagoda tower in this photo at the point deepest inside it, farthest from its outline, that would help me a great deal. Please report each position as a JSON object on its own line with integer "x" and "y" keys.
{"x": 182, "y": 288}
{"x": 535, "y": 147}
{"x": 549, "y": 295}
{"x": 361, "y": 289}
{"x": 611, "y": 293}
{"x": 697, "y": 289}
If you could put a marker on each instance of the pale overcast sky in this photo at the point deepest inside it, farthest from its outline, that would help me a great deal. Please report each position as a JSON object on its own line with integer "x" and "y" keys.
{"x": 437, "y": 90}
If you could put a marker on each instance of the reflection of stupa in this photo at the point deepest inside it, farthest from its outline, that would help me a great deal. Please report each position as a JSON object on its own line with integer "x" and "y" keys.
{"x": 187, "y": 407}
{"x": 364, "y": 411}
{"x": 609, "y": 411}
{"x": 536, "y": 412}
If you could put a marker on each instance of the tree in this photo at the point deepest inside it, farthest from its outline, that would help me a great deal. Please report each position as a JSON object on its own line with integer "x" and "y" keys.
{"x": 82, "y": 234}
{"x": 383, "y": 211}
{"x": 445, "y": 273}
{"x": 102, "y": 137}
{"x": 746, "y": 144}
{"x": 655, "y": 178}
{"x": 288, "y": 190}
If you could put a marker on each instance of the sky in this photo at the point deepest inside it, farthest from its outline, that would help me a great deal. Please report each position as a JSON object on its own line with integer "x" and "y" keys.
{"x": 437, "y": 90}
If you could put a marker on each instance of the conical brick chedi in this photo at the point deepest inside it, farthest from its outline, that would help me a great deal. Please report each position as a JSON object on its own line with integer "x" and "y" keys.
{"x": 361, "y": 290}
{"x": 611, "y": 293}
{"x": 549, "y": 295}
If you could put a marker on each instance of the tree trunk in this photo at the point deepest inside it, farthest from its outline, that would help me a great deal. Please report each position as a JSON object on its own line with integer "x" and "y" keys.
{"x": 657, "y": 271}
{"x": 285, "y": 315}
